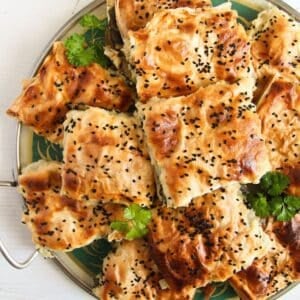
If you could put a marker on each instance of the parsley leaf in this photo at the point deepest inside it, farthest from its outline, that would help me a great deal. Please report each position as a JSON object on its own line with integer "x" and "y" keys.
{"x": 276, "y": 205}
{"x": 293, "y": 202}
{"x": 84, "y": 49}
{"x": 284, "y": 207}
{"x": 77, "y": 52}
{"x": 137, "y": 219}
{"x": 137, "y": 213}
{"x": 95, "y": 39}
{"x": 259, "y": 203}
{"x": 129, "y": 212}
{"x": 274, "y": 183}
{"x": 120, "y": 226}
{"x": 91, "y": 21}
{"x": 135, "y": 233}
{"x": 269, "y": 198}
{"x": 286, "y": 214}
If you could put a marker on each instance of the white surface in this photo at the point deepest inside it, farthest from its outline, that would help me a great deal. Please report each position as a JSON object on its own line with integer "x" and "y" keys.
{"x": 25, "y": 29}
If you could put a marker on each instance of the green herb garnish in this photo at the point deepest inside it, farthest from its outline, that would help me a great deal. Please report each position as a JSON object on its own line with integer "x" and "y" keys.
{"x": 274, "y": 183}
{"x": 270, "y": 198}
{"x": 135, "y": 224}
{"x": 77, "y": 52}
{"x": 260, "y": 204}
{"x": 91, "y": 21}
{"x": 84, "y": 49}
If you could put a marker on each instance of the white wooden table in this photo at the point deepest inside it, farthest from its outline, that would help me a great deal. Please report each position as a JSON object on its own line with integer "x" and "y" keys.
{"x": 25, "y": 29}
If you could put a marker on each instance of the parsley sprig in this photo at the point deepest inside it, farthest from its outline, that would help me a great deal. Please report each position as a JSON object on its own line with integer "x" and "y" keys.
{"x": 84, "y": 49}
{"x": 92, "y": 22}
{"x": 269, "y": 197}
{"x": 135, "y": 224}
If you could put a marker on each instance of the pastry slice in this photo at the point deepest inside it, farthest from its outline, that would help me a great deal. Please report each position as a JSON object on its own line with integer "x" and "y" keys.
{"x": 276, "y": 270}
{"x": 206, "y": 140}
{"x": 209, "y": 241}
{"x": 130, "y": 273}
{"x": 60, "y": 223}
{"x": 275, "y": 43}
{"x": 58, "y": 86}
{"x": 134, "y": 14}
{"x": 122, "y": 19}
{"x": 105, "y": 159}
{"x": 279, "y": 111}
{"x": 183, "y": 49}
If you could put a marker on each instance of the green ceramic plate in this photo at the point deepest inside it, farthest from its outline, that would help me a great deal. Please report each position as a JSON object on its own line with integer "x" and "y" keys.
{"x": 82, "y": 265}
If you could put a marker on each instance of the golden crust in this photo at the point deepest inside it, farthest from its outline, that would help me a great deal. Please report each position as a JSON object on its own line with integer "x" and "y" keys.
{"x": 275, "y": 43}
{"x": 288, "y": 234}
{"x": 57, "y": 222}
{"x": 275, "y": 271}
{"x": 105, "y": 158}
{"x": 134, "y": 14}
{"x": 182, "y": 49}
{"x": 129, "y": 273}
{"x": 58, "y": 86}
{"x": 279, "y": 111}
{"x": 208, "y": 139}
{"x": 253, "y": 283}
{"x": 216, "y": 236}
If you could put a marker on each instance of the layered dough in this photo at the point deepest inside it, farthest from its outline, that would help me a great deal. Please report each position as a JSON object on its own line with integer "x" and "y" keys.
{"x": 60, "y": 223}
{"x": 130, "y": 273}
{"x": 206, "y": 140}
{"x": 275, "y": 271}
{"x": 134, "y": 14}
{"x": 58, "y": 87}
{"x": 209, "y": 241}
{"x": 279, "y": 111}
{"x": 105, "y": 159}
{"x": 182, "y": 49}
{"x": 275, "y": 44}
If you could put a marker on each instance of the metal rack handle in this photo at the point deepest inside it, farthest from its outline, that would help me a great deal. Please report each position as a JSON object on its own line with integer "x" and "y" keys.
{"x": 13, "y": 262}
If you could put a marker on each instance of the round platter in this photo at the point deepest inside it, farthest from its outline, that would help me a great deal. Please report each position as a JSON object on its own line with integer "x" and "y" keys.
{"x": 82, "y": 265}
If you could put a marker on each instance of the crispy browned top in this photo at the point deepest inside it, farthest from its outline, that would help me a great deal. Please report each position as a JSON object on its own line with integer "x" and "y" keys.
{"x": 58, "y": 222}
{"x": 182, "y": 49}
{"x": 276, "y": 270}
{"x": 275, "y": 43}
{"x": 130, "y": 273}
{"x": 134, "y": 14}
{"x": 164, "y": 133}
{"x": 208, "y": 241}
{"x": 288, "y": 234}
{"x": 208, "y": 139}
{"x": 59, "y": 86}
{"x": 279, "y": 110}
{"x": 105, "y": 158}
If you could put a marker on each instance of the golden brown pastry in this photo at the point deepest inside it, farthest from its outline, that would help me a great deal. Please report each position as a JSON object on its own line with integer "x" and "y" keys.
{"x": 206, "y": 140}
{"x": 105, "y": 158}
{"x": 182, "y": 49}
{"x": 275, "y": 271}
{"x": 212, "y": 239}
{"x": 134, "y": 14}
{"x": 275, "y": 43}
{"x": 59, "y": 86}
{"x": 279, "y": 110}
{"x": 130, "y": 273}
{"x": 57, "y": 222}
